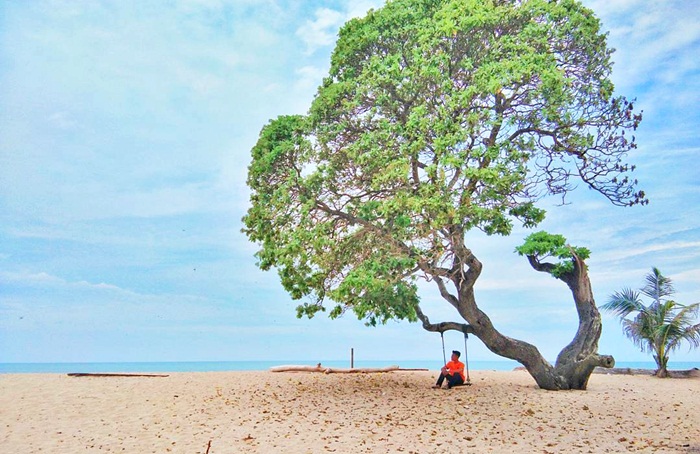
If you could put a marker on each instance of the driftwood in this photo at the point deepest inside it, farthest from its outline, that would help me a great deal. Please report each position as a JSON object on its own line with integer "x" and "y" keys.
{"x": 690, "y": 373}
{"x": 114, "y": 375}
{"x": 333, "y": 370}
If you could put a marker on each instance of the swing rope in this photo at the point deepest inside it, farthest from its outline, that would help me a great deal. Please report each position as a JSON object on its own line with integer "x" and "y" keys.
{"x": 466, "y": 360}
{"x": 444, "y": 358}
{"x": 466, "y": 355}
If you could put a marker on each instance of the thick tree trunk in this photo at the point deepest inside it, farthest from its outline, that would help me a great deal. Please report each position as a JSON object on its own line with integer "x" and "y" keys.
{"x": 662, "y": 365}
{"x": 575, "y": 363}
{"x": 662, "y": 373}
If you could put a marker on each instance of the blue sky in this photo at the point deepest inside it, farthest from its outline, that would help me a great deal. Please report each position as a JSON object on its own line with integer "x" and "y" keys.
{"x": 125, "y": 132}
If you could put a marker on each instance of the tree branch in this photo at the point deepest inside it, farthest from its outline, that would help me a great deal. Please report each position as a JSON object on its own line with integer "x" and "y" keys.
{"x": 443, "y": 326}
{"x": 538, "y": 266}
{"x": 453, "y": 300}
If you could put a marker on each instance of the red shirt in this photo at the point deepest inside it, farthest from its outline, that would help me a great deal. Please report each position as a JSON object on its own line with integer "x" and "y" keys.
{"x": 455, "y": 367}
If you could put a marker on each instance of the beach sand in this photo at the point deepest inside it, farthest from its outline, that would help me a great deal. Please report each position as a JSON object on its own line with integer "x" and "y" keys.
{"x": 264, "y": 412}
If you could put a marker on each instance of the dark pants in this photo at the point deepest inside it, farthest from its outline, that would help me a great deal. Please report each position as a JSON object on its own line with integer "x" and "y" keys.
{"x": 452, "y": 380}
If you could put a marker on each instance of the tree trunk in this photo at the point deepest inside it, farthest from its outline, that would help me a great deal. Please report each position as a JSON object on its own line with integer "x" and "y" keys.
{"x": 575, "y": 363}
{"x": 662, "y": 366}
{"x": 662, "y": 373}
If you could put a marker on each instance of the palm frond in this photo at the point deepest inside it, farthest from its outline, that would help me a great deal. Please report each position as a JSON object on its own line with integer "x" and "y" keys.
{"x": 683, "y": 329}
{"x": 624, "y": 303}
{"x": 635, "y": 332}
{"x": 692, "y": 335}
{"x": 657, "y": 286}
{"x": 660, "y": 327}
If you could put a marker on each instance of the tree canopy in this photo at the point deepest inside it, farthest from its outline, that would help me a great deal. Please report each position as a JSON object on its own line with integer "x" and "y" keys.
{"x": 437, "y": 117}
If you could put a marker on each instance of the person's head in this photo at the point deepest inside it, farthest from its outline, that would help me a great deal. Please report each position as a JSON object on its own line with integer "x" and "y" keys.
{"x": 455, "y": 355}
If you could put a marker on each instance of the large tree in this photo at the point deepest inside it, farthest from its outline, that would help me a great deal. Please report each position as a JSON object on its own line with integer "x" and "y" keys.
{"x": 439, "y": 117}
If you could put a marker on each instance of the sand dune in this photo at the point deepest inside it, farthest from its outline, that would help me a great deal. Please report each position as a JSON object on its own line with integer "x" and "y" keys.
{"x": 262, "y": 412}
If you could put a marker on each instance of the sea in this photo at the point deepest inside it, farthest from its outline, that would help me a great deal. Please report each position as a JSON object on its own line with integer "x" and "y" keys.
{"x": 227, "y": 366}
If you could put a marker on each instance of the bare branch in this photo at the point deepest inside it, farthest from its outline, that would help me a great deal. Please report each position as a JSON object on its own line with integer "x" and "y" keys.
{"x": 443, "y": 326}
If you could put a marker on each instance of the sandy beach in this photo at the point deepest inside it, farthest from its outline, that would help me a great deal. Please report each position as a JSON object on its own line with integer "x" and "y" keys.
{"x": 263, "y": 412}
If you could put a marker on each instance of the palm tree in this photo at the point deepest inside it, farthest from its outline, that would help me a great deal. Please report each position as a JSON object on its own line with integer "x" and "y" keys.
{"x": 660, "y": 327}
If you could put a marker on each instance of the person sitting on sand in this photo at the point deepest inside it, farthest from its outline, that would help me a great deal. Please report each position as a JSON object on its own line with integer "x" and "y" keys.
{"x": 453, "y": 371}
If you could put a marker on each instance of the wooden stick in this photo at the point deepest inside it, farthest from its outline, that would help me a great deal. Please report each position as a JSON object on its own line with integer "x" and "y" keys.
{"x": 331, "y": 370}
{"x": 366, "y": 370}
{"x": 690, "y": 373}
{"x": 114, "y": 375}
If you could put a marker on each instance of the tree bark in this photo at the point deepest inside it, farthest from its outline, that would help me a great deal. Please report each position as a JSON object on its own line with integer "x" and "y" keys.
{"x": 575, "y": 363}
{"x": 662, "y": 365}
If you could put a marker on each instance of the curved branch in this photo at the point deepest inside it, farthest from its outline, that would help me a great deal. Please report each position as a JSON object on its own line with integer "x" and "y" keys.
{"x": 453, "y": 300}
{"x": 580, "y": 371}
{"x": 539, "y": 266}
{"x": 443, "y": 326}
{"x": 606, "y": 361}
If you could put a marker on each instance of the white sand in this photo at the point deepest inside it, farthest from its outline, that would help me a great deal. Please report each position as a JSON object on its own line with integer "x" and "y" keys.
{"x": 263, "y": 412}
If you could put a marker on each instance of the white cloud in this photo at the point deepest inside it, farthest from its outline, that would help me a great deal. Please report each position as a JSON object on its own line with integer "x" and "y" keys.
{"x": 687, "y": 277}
{"x": 40, "y": 278}
{"x": 359, "y": 8}
{"x": 322, "y": 30}
{"x": 634, "y": 250}
{"x": 201, "y": 82}
{"x": 77, "y": 296}
{"x": 650, "y": 49}
{"x": 62, "y": 120}
{"x": 146, "y": 123}
{"x": 309, "y": 77}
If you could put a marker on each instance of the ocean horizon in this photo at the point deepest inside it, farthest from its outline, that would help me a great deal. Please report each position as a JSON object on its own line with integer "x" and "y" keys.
{"x": 230, "y": 366}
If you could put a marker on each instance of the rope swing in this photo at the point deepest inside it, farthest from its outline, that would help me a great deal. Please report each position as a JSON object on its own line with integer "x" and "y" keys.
{"x": 468, "y": 382}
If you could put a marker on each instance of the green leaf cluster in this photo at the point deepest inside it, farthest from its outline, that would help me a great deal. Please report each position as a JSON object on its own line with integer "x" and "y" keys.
{"x": 437, "y": 117}
{"x": 542, "y": 245}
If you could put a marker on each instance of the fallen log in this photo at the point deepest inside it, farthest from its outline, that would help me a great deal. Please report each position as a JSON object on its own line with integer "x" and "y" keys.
{"x": 291, "y": 368}
{"x": 690, "y": 373}
{"x": 333, "y": 370}
{"x": 81, "y": 374}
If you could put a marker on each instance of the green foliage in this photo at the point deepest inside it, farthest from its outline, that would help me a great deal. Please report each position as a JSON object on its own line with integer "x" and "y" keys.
{"x": 542, "y": 245}
{"x": 437, "y": 117}
{"x": 660, "y": 326}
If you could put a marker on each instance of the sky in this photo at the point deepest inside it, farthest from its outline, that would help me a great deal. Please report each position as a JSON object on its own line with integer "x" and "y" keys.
{"x": 125, "y": 137}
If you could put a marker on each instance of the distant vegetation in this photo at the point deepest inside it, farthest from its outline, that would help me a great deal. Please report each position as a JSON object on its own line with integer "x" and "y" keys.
{"x": 661, "y": 326}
